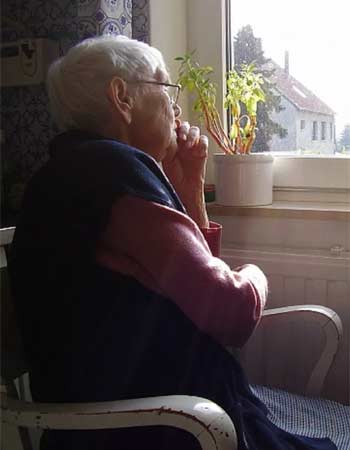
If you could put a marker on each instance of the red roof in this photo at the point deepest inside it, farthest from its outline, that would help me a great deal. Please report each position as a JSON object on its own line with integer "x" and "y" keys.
{"x": 296, "y": 92}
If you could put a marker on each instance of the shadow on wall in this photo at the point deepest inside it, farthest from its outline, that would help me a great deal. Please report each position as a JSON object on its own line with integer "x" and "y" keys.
{"x": 26, "y": 126}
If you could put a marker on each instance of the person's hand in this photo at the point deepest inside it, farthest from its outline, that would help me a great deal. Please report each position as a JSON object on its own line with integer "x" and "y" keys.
{"x": 185, "y": 163}
{"x": 185, "y": 166}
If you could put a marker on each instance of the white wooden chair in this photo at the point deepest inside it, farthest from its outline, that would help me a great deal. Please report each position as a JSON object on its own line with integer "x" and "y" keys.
{"x": 202, "y": 418}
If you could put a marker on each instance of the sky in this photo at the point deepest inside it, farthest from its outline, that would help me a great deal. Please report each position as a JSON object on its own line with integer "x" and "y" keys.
{"x": 316, "y": 34}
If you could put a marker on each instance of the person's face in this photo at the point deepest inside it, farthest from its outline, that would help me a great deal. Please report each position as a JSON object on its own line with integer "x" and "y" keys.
{"x": 153, "y": 121}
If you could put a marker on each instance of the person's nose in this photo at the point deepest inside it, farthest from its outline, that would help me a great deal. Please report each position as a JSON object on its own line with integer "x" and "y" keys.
{"x": 177, "y": 110}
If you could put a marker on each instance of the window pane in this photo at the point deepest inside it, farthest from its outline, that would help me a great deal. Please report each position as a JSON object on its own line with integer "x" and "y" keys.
{"x": 306, "y": 110}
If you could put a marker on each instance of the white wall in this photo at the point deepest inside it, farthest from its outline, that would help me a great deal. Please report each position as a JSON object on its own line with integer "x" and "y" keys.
{"x": 168, "y": 33}
{"x": 177, "y": 26}
{"x": 207, "y": 35}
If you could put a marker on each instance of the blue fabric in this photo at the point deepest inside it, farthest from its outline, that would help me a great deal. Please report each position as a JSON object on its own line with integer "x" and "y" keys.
{"x": 307, "y": 416}
{"x": 92, "y": 334}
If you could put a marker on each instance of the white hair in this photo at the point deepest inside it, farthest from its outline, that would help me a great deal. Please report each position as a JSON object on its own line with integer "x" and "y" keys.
{"x": 77, "y": 82}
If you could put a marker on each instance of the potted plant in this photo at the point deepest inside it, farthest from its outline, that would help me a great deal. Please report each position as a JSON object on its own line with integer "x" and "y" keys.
{"x": 242, "y": 178}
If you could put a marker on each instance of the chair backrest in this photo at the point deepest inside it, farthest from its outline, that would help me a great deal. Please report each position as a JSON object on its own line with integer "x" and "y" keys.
{"x": 13, "y": 362}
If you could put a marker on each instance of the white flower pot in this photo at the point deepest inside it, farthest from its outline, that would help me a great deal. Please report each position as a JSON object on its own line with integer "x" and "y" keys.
{"x": 243, "y": 180}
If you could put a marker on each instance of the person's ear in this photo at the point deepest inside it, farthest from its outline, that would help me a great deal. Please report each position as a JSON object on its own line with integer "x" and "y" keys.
{"x": 120, "y": 99}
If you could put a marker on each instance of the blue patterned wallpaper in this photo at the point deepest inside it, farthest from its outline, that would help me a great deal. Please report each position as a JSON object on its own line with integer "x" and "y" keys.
{"x": 25, "y": 120}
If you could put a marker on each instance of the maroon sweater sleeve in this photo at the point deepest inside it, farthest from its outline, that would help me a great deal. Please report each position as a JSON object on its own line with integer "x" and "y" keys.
{"x": 167, "y": 252}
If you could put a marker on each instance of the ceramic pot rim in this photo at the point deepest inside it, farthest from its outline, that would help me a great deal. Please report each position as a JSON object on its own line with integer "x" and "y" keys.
{"x": 252, "y": 158}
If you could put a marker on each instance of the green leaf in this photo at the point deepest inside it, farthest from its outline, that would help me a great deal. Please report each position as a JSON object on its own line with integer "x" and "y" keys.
{"x": 234, "y": 131}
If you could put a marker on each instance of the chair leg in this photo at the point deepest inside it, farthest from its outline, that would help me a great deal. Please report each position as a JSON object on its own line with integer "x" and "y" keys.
{"x": 23, "y": 432}
{"x": 25, "y": 438}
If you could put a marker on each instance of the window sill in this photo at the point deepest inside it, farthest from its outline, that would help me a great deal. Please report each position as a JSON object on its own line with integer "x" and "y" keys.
{"x": 287, "y": 209}
{"x": 312, "y": 171}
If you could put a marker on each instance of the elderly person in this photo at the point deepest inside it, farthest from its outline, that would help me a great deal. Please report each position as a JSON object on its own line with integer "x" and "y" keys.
{"x": 115, "y": 267}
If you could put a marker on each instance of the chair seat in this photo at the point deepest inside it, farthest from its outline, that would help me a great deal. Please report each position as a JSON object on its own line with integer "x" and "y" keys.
{"x": 305, "y": 416}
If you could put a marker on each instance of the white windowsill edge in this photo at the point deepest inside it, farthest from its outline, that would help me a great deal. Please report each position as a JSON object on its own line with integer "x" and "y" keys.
{"x": 286, "y": 209}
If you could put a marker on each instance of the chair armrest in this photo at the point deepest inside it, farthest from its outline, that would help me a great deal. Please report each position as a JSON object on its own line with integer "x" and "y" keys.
{"x": 202, "y": 418}
{"x": 331, "y": 324}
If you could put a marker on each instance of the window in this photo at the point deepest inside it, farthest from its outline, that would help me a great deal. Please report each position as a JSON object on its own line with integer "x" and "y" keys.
{"x": 305, "y": 84}
{"x": 289, "y": 50}
{"x": 175, "y": 37}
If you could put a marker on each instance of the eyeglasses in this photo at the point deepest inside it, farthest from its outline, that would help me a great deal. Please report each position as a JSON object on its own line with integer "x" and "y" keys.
{"x": 173, "y": 90}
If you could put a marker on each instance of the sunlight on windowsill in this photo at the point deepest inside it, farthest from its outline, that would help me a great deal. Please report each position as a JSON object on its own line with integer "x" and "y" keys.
{"x": 305, "y": 154}
{"x": 287, "y": 209}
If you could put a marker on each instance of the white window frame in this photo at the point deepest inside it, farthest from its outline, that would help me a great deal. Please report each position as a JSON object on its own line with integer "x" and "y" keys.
{"x": 201, "y": 25}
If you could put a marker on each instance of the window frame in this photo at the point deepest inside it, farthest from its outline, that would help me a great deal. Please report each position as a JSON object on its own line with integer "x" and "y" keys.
{"x": 305, "y": 173}
{"x": 187, "y": 34}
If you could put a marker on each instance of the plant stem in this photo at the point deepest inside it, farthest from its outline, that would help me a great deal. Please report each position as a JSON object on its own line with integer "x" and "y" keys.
{"x": 239, "y": 142}
{"x": 217, "y": 134}
{"x": 223, "y": 133}
{"x": 252, "y": 135}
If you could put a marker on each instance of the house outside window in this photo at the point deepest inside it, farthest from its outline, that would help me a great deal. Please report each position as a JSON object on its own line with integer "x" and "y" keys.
{"x": 314, "y": 130}
{"x": 323, "y": 131}
{"x": 302, "y": 124}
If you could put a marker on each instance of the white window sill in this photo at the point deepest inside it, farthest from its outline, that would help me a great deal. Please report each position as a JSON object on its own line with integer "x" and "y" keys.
{"x": 305, "y": 187}
{"x": 312, "y": 171}
{"x": 317, "y": 228}
{"x": 339, "y": 211}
